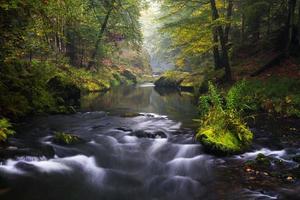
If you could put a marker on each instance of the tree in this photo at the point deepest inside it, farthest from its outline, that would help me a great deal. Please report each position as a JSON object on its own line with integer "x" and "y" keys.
{"x": 223, "y": 40}
{"x": 290, "y": 24}
{"x": 109, "y": 8}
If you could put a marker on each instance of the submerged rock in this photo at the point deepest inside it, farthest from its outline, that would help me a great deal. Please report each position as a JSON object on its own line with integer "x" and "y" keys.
{"x": 263, "y": 160}
{"x": 39, "y": 151}
{"x": 145, "y": 134}
{"x": 296, "y": 158}
{"x": 125, "y": 129}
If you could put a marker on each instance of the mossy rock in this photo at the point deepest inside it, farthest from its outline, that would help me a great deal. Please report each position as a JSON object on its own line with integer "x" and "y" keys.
{"x": 171, "y": 79}
{"x": 166, "y": 82}
{"x": 296, "y": 158}
{"x": 262, "y": 160}
{"x": 193, "y": 81}
{"x": 129, "y": 76}
{"x": 223, "y": 132}
{"x": 222, "y": 142}
{"x": 131, "y": 114}
{"x": 151, "y": 135}
{"x": 63, "y": 138}
{"x": 95, "y": 86}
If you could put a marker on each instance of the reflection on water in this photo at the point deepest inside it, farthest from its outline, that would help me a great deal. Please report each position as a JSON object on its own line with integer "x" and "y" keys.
{"x": 178, "y": 106}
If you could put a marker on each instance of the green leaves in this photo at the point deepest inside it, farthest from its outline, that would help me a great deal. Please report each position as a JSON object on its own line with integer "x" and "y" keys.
{"x": 5, "y": 129}
{"x": 222, "y": 128}
{"x": 66, "y": 138}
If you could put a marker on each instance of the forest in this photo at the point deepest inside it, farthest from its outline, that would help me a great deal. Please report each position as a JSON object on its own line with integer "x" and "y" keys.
{"x": 149, "y": 99}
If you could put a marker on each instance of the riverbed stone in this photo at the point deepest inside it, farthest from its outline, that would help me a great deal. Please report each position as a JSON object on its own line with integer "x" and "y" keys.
{"x": 131, "y": 114}
{"x": 125, "y": 129}
{"x": 145, "y": 134}
{"x": 296, "y": 158}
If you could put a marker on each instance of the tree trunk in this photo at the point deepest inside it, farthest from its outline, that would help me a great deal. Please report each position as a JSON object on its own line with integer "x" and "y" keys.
{"x": 101, "y": 32}
{"x": 298, "y": 23}
{"x": 269, "y": 19}
{"x": 216, "y": 52}
{"x": 243, "y": 29}
{"x": 228, "y": 17}
{"x": 290, "y": 24}
{"x": 225, "y": 57}
{"x": 71, "y": 46}
{"x": 256, "y": 34}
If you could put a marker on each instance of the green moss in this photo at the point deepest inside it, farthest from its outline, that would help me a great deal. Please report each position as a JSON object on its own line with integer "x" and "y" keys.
{"x": 171, "y": 79}
{"x": 222, "y": 128}
{"x": 130, "y": 114}
{"x": 66, "y": 138}
{"x": 181, "y": 80}
{"x": 193, "y": 81}
{"x": 129, "y": 76}
{"x": 5, "y": 129}
{"x": 224, "y": 132}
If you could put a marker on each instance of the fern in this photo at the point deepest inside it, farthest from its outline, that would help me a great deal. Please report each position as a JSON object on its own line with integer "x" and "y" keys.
{"x": 5, "y": 129}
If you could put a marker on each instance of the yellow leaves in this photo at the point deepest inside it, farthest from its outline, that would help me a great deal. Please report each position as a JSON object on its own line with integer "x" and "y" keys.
{"x": 288, "y": 99}
{"x": 5, "y": 129}
{"x": 180, "y": 62}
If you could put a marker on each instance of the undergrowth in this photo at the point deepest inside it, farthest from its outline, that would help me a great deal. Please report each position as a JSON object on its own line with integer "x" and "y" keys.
{"x": 222, "y": 124}
{"x": 66, "y": 138}
{"x": 222, "y": 128}
{"x": 5, "y": 129}
{"x": 276, "y": 95}
{"x": 24, "y": 86}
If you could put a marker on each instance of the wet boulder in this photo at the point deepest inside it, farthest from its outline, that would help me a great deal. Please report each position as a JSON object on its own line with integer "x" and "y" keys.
{"x": 129, "y": 76}
{"x": 131, "y": 114}
{"x": 145, "y": 134}
{"x": 167, "y": 82}
{"x": 171, "y": 79}
{"x": 296, "y": 158}
{"x": 124, "y": 129}
{"x": 13, "y": 152}
{"x": 263, "y": 160}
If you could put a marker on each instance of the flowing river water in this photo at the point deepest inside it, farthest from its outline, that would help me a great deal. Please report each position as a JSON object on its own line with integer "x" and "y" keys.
{"x": 147, "y": 156}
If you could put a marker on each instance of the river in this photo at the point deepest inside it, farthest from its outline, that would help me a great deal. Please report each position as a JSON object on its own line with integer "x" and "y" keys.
{"x": 139, "y": 144}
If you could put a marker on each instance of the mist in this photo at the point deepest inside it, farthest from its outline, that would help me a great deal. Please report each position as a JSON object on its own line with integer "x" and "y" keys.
{"x": 153, "y": 39}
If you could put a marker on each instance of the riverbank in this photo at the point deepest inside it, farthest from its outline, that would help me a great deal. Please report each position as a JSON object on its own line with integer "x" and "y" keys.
{"x": 275, "y": 91}
{"x": 271, "y": 164}
{"x": 38, "y": 87}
